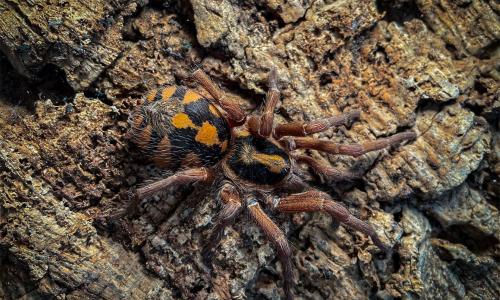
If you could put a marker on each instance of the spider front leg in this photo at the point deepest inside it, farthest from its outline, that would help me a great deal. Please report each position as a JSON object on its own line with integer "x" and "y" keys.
{"x": 231, "y": 208}
{"x": 303, "y": 129}
{"x": 262, "y": 125}
{"x": 293, "y": 143}
{"x": 235, "y": 114}
{"x": 181, "y": 177}
{"x": 278, "y": 239}
{"x": 313, "y": 201}
{"x": 272, "y": 98}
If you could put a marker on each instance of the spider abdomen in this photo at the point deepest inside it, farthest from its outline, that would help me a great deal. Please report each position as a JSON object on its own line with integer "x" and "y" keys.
{"x": 178, "y": 128}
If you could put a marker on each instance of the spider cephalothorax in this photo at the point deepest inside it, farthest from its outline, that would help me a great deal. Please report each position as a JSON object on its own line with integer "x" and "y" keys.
{"x": 184, "y": 131}
{"x": 256, "y": 161}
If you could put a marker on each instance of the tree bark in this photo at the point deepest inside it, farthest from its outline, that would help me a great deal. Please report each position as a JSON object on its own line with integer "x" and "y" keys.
{"x": 71, "y": 74}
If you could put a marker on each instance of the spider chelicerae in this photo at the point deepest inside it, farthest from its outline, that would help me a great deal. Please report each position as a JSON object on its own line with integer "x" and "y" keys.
{"x": 205, "y": 140}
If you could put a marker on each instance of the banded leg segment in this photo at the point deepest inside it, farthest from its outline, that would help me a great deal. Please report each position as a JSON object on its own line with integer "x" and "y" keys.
{"x": 278, "y": 239}
{"x": 233, "y": 110}
{"x": 304, "y": 129}
{"x": 181, "y": 177}
{"x": 262, "y": 125}
{"x": 313, "y": 201}
{"x": 231, "y": 208}
{"x": 324, "y": 170}
{"x": 355, "y": 150}
{"x": 272, "y": 98}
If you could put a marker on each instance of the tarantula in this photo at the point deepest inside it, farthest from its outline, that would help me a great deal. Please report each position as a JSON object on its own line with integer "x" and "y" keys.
{"x": 206, "y": 138}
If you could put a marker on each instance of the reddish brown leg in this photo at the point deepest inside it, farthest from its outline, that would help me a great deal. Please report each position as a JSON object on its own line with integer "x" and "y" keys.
{"x": 278, "y": 238}
{"x": 234, "y": 112}
{"x": 262, "y": 125}
{"x": 181, "y": 177}
{"x": 272, "y": 98}
{"x": 231, "y": 208}
{"x": 323, "y": 169}
{"x": 303, "y": 129}
{"x": 312, "y": 201}
{"x": 254, "y": 125}
{"x": 355, "y": 150}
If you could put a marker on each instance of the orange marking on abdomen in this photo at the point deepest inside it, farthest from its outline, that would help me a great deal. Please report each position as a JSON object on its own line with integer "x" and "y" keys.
{"x": 168, "y": 92}
{"x": 207, "y": 134}
{"x": 214, "y": 110}
{"x": 151, "y": 95}
{"x": 182, "y": 120}
{"x": 223, "y": 146}
{"x": 191, "y": 96}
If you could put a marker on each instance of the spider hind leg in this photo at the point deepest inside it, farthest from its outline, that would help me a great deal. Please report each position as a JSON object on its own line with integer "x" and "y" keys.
{"x": 231, "y": 208}
{"x": 179, "y": 178}
{"x": 316, "y": 201}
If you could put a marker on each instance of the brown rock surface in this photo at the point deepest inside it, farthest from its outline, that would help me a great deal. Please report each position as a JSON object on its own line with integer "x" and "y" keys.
{"x": 65, "y": 163}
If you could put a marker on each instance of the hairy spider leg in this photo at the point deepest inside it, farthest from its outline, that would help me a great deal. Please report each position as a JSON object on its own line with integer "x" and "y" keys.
{"x": 234, "y": 112}
{"x": 325, "y": 170}
{"x": 278, "y": 239}
{"x": 355, "y": 150}
{"x": 299, "y": 128}
{"x": 182, "y": 177}
{"x": 314, "y": 200}
{"x": 231, "y": 207}
{"x": 261, "y": 125}
{"x": 272, "y": 98}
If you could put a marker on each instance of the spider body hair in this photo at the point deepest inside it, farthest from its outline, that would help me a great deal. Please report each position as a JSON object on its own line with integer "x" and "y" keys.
{"x": 212, "y": 141}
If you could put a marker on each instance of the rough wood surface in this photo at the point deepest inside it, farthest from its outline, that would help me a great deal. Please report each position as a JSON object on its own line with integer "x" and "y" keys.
{"x": 69, "y": 77}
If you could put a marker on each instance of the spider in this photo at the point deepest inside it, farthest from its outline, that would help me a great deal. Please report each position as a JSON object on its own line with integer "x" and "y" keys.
{"x": 253, "y": 160}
